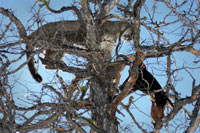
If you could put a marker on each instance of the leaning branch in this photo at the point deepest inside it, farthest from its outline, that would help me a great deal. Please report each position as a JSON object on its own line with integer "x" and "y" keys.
{"x": 131, "y": 81}
{"x": 20, "y": 26}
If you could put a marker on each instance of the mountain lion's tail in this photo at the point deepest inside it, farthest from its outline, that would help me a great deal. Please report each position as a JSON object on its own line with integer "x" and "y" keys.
{"x": 31, "y": 66}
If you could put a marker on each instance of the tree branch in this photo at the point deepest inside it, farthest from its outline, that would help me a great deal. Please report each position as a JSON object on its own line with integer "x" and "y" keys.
{"x": 180, "y": 16}
{"x": 20, "y": 26}
{"x": 132, "y": 79}
{"x": 62, "y": 66}
{"x": 136, "y": 18}
{"x": 107, "y": 6}
{"x": 41, "y": 124}
{"x": 178, "y": 105}
{"x": 133, "y": 118}
{"x": 64, "y": 8}
{"x": 195, "y": 119}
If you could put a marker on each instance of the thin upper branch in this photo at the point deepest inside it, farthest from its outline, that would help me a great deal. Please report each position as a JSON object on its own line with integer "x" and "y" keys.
{"x": 180, "y": 16}
{"x": 64, "y": 8}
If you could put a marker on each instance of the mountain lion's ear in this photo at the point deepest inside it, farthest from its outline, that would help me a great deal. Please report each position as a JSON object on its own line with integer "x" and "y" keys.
{"x": 127, "y": 34}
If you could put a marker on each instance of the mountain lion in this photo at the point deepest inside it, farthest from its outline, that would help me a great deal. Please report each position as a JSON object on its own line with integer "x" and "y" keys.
{"x": 58, "y": 37}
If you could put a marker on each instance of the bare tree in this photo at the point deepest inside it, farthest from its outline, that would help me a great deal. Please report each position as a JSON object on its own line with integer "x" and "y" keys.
{"x": 98, "y": 95}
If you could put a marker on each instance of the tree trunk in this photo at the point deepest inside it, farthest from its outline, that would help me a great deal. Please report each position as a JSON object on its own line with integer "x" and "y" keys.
{"x": 102, "y": 96}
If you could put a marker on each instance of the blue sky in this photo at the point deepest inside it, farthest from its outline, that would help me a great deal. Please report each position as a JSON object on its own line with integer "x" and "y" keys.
{"x": 22, "y": 9}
